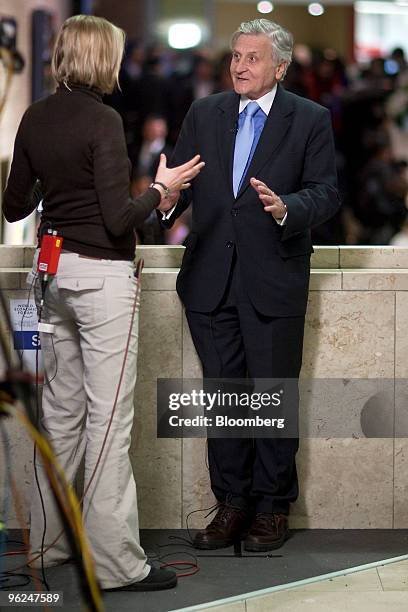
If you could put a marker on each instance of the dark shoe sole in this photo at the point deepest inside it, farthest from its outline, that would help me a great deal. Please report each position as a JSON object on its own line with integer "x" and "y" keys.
{"x": 140, "y": 587}
{"x": 214, "y": 545}
{"x": 265, "y": 547}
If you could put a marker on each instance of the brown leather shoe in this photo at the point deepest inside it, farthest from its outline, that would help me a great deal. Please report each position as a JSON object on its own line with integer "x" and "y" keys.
{"x": 225, "y": 528}
{"x": 267, "y": 532}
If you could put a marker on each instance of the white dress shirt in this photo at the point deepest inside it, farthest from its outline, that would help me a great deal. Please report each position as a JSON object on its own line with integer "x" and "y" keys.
{"x": 265, "y": 102}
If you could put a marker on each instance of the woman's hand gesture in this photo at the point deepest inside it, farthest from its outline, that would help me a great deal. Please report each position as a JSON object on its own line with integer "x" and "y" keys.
{"x": 178, "y": 178}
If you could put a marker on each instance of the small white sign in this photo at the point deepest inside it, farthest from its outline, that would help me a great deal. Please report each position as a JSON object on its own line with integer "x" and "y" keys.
{"x": 26, "y": 338}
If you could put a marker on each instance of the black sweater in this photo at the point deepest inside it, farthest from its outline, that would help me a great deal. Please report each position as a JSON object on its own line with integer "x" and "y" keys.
{"x": 74, "y": 144}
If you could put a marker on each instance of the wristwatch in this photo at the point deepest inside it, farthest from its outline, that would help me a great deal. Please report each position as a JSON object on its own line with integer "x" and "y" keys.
{"x": 163, "y": 186}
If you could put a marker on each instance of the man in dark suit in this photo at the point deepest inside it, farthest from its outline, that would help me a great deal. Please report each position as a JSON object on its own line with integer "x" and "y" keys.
{"x": 269, "y": 178}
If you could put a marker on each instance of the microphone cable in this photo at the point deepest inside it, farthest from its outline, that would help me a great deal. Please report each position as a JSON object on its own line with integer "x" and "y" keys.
{"x": 44, "y": 284}
{"x": 183, "y": 564}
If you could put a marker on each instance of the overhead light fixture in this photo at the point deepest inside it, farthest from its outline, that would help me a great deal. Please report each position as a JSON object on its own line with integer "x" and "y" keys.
{"x": 184, "y": 35}
{"x": 315, "y": 9}
{"x": 265, "y": 7}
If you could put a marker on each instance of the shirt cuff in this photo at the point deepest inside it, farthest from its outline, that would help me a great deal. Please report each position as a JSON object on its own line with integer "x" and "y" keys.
{"x": 282, "y": 221}
{"x": 167, "y": 215}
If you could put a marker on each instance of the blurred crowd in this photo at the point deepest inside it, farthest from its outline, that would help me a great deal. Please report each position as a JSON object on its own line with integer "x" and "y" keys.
{"x": 369, "y": 108}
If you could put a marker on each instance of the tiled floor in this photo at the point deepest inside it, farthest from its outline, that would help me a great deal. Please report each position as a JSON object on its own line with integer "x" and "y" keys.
{"x": 380, "y": 589}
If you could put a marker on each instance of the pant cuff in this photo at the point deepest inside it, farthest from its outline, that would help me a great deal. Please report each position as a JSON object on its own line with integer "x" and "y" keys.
{"x": 237, "y": 501}
{"x": 269, "y": 507}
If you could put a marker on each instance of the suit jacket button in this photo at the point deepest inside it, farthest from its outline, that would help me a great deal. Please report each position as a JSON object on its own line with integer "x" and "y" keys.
{"x": 230, "y": 244}
{"x": 234, "y": 212}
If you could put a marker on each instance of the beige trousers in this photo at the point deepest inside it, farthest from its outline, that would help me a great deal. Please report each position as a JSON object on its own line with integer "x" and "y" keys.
{"x": 89, "y": 302}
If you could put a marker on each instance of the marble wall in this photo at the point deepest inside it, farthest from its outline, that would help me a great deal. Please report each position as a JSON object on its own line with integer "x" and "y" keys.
{"x": 356, "y": 327}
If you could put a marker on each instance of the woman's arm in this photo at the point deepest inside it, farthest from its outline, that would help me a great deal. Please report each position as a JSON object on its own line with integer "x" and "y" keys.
{"x": 20, "y": 199}
{"x": 112, "y": 181}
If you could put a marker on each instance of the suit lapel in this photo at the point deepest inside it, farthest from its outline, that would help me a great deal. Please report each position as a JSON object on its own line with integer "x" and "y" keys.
{"x": 274, "y": 131}
{"x": 227, "y": 123}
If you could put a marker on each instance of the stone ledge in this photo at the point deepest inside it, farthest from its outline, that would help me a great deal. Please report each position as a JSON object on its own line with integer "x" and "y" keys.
{"x": 390, "y": 279}
{"x": 324, "y": 257}
{"x": 167, "y": 256}
{"x": 325, "y": 280}
{"x": 379, "y": 257}
{"x": 164, "y": 279}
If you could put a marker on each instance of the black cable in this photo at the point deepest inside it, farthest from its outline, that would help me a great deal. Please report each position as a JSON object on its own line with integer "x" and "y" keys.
{"x": 176, "y": 559}
{"x": 7, "y": 575}
{"x": 180, "y": 538}
{"x": 11, "y": 574}
{"x": 14, "y": 586}
{"x": 36, "y": 277}
{"x": 26, "y": 308}
{"x": 186, "y": 542}
{"x": 211, "y": 510}
{"x": 37, "y": 392}
{"x": 4, "y": 511}
{"x": 44, "y": 578}
{"x": 178, "y": 552}
{"x": 37, "y": 401}
{"x": 23, "y": 391}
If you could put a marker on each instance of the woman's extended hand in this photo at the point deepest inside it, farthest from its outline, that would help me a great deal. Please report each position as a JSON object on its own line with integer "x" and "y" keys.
{"x": 179, "y": 177}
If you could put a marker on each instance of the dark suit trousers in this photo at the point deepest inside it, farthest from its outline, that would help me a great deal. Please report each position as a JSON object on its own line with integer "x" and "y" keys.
{"x": 232, "y": 342}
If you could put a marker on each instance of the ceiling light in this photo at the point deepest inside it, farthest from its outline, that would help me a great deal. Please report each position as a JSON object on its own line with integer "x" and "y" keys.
{"x": 316, "y": 9}
{"x": 184, "y": 35}
{"x": 265, "y": 7}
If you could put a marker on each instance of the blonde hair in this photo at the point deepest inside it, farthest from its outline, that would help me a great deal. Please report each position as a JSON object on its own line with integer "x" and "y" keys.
{"x": 88, "y": 51}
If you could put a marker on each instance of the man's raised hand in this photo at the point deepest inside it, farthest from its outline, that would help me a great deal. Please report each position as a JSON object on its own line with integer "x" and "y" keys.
{"x": 272, "y": 203}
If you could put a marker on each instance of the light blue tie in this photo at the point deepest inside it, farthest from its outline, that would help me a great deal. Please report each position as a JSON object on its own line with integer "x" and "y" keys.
{"x": 243, "y": 145}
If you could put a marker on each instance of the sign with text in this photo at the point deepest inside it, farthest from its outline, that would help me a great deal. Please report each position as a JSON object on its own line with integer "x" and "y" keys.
{"x": 26, "y": 338}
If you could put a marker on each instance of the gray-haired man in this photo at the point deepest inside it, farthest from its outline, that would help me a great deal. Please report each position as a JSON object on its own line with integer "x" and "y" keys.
{"x": 269, "y": 178}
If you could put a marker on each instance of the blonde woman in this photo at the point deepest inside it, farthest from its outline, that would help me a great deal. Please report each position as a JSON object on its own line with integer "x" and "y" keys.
{"x": 75, "y": 146}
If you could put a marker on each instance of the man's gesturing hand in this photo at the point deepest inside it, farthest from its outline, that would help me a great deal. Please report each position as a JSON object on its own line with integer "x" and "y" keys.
{"x": 271, "y": 202}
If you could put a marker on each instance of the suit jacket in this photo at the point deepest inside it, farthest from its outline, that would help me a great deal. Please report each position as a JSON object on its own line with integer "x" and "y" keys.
{"x": 295, "y": 157}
